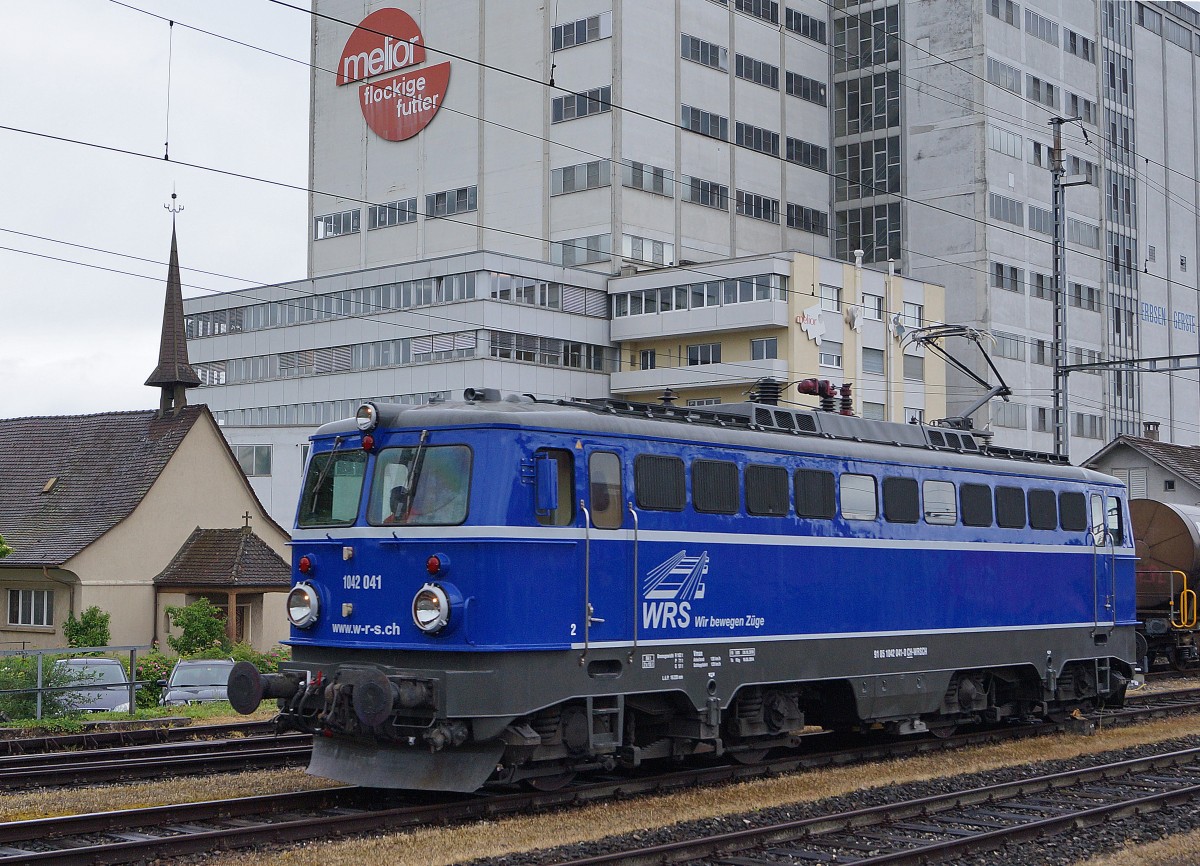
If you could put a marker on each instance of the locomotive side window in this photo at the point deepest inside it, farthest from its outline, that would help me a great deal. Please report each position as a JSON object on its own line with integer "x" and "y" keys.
{"x": 976, "y": 502}
{"x": 858, "y": 497}
{"x": 767, "y": 490}
{"x": 604, "y": 489}
{"x": 941, "y": 508}
{"x": 1115, "y": 527}
{"x": 333, "y": 488}
{"x": 418, "y": 486}
{"x": 900, "y": 500}
{"x": 1072, "y": 510}
{"x": 1097, "y": 524}
{"x": 815, "y": 493}
{"x": 1010, "y": 507}
{"x": 658, "y": 483}
{"x": 715, "y": 486}
{"x": 564, "y": 469}
{"x": 1043, "y": 509}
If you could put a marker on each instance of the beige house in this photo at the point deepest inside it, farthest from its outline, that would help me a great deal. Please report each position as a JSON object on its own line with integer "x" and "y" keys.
{"x": 95, "y": 507}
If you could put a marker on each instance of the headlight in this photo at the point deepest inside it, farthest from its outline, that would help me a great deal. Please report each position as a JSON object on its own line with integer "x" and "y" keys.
{"x": 303, "y": 606}
{"x": 431, "y": 609}
{"x": 367, "y": 417}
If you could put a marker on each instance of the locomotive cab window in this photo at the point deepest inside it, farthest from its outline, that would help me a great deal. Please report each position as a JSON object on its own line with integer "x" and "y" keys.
{"x": 333, "y": 488}
{"x": 604, "y": 490}
{"x": 1116, "y": 528}
{"x": 767, "y": 490}
{"x": 561, "y": 463}
{"x": 1043, "y": 509}
{"x": 715, "y": 487}
{"x": 900, "y": 501}
{"x": 940, "y": 505}
{"x": 859, "y": 501}
{"x": 1010, "y": 507}
{"x": 658, "y": 482}
{"x": 815, "y": 493}
{"x": 976, "y": 502}
{"x": 421, "y": 486}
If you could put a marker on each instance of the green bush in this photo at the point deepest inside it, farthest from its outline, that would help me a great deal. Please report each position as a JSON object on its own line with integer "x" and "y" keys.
{"x": 20, "y": 672}
{"x": 90, "y": 629}
{"x": 202, "y": 630}
{"x": 267, "y": 662}
{"x": 151, "y": 668}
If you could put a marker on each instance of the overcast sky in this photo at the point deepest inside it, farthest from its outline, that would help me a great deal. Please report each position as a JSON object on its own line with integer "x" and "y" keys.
{"x": 75, "y": 338}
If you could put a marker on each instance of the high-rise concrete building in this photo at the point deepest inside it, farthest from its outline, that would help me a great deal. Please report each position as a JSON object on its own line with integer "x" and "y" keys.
{"x": 479, "y": 171}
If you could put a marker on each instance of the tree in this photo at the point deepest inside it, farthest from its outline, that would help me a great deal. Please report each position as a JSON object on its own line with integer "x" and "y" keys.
{"x": 5, "y": 550}
{"x": 201, "y": 628}
{"x": 91, "y": 629}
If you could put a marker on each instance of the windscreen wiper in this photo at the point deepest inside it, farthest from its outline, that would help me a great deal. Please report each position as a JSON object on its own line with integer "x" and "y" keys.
{"x": 312, "y": 506}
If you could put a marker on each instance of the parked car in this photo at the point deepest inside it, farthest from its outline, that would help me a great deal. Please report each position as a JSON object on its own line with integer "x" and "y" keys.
{"x": 104, "y": 687}
{"x": 195, "y": 680}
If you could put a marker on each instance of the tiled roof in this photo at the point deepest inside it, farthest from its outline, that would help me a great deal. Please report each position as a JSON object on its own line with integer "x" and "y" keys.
{"x": 225, "y": 557}
{"x": 173, "y": 367}
{"x": 66, "y": 480}
{"x": 1182, "y": 460}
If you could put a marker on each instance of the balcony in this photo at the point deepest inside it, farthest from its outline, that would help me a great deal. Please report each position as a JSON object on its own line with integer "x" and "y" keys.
{"x": 727, "y": 317}
{"x": 697, "y": 376}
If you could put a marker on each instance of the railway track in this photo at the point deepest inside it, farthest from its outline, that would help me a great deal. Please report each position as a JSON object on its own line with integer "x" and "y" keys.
{"x": 177, "y": 830}
{"x": 153, "y": 760}
{"x": 114, "y": 737}
{"x": 951, "y": 825}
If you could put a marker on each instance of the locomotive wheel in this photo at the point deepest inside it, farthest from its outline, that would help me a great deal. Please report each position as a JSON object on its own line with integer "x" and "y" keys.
{"x": 943, "y": 732}
{"x": 555, "y": 782}
{"x": 749, "y": 756}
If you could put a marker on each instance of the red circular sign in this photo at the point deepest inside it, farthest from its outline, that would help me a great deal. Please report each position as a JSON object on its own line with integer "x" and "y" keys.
{"x": 397, "y": 106}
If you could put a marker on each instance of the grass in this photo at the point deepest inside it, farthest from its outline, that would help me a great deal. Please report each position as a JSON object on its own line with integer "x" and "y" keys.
{"x": 211, "y": 712}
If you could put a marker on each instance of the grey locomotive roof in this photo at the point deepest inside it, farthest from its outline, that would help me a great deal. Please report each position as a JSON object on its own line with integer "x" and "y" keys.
{"x": 847, "y": 436}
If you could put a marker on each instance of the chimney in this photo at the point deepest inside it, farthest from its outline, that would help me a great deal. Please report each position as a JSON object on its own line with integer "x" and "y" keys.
{"x": 858, "y": 258}
{"x": 1150, "y": 428}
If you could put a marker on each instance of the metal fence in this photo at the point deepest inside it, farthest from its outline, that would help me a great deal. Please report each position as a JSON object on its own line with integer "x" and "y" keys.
{"x": 41, "y": 688}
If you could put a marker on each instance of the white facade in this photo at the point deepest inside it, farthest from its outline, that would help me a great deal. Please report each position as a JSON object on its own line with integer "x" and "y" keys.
{"x": 607, "y": 135}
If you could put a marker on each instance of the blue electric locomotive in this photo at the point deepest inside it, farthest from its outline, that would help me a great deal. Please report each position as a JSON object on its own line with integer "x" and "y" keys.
{"x": 512, "y": 589}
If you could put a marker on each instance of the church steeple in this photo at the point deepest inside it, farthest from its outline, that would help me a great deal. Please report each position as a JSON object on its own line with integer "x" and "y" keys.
{"x": 174, "y": 374}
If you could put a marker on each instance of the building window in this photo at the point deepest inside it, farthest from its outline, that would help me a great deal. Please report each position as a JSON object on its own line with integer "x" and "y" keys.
{"x": 647, "y": 359}
{"x": 1041, "y": 27}
{"x": 872, "y": 411}
{"x": 829, "y": 354}
{"x": 765, "y": 349}
{"x": 872, "y": 306}
{"x": 704, "y": 122}
{"x": 1041, "y": 286}
{"x": 334, "y": 224}
{"x": 31, "y": 607}
{"x": 805, "y": 25}
{"x": 767, "y": 10}
{"x": 585, "y": 175}
{"x": 914, "y": 368}
{"x": 1003, "y": 75}
{"x": 756, "y": 71}
{"x": 1084, "y": 234}
{"x": 581, "y": 31}
{"x": 704, "y": 53}
{"x": 807, "y": 154}
{"x": 1006, "y": 10}
{"x": 574, "y": 105}
{"x": 1084, "y": 297}
{"x": 758, "y": 207}
{"x": 1005, "y": 209}
{"x": 831, "y": 298}
{"x": 580, "y": 251}
{"x": 393, "y": 213}
{"x": 1087, "y": 426}
{"x": 1007, "y": 277}
{"x": 440, "y": 204}
{"x": 647, "y": 250}
{"x": 808, "y": 89}
{"x": 704, "y": 353}
{"x": 650, "y": 178}
{"x": 255, "y": 460}
{"x": 706, "y": 192}
{"x": 704, "y": 401}
{"x": 914, "y": 415}
{"x": 1009, "y": 346}
{"x": 808, "y": 219}
{"x": 1080, "y": 46}
{"x": 1041, "y": 91}
{"x": 1011, "y": 415}
{"x": 913, "y": 315}
{"x": 756, "y": 138}
{"x": 872, "y": 360}
{"x": 1041, "y": 220}
{"x": 1003, "y": 141}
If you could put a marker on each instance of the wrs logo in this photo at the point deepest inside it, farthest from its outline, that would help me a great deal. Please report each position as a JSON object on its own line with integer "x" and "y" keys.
{"x": 399, "y": 106}
{"x": 670, "y": 588}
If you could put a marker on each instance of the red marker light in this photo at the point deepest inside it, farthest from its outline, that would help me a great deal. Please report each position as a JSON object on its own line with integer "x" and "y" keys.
{"x": 368, "y": 442}
{"x": 434, "y": 564}
{"x": 305, "y": 565}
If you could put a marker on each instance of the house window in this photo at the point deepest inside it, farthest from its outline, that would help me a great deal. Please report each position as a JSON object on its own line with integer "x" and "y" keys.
{"x": 872, "y": 360}
{"x": 440, "y": 204}
{"x": 393, "y": 213}
{"x": 830, "y": 354}
{"x": 595, "y": 101}
{"x": 254, "y": 459}
{"x": 764, "y": 349}
{"x": 872, "y": 411}
{"x": 334, "y": 224}
{"x": 647, "y": 359}
{"x": 914, "y": 368}
{"x": 706, "y": 192}
{"x": 584, "y": 30}
{"x": 31, "y": 607}
{"x": 831, "y": 298}
{"x": 704, "y": 122}
{"x": 873, "y": 307}
{"x": 706, "y": 53}
{"x": 704, "y": 353}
